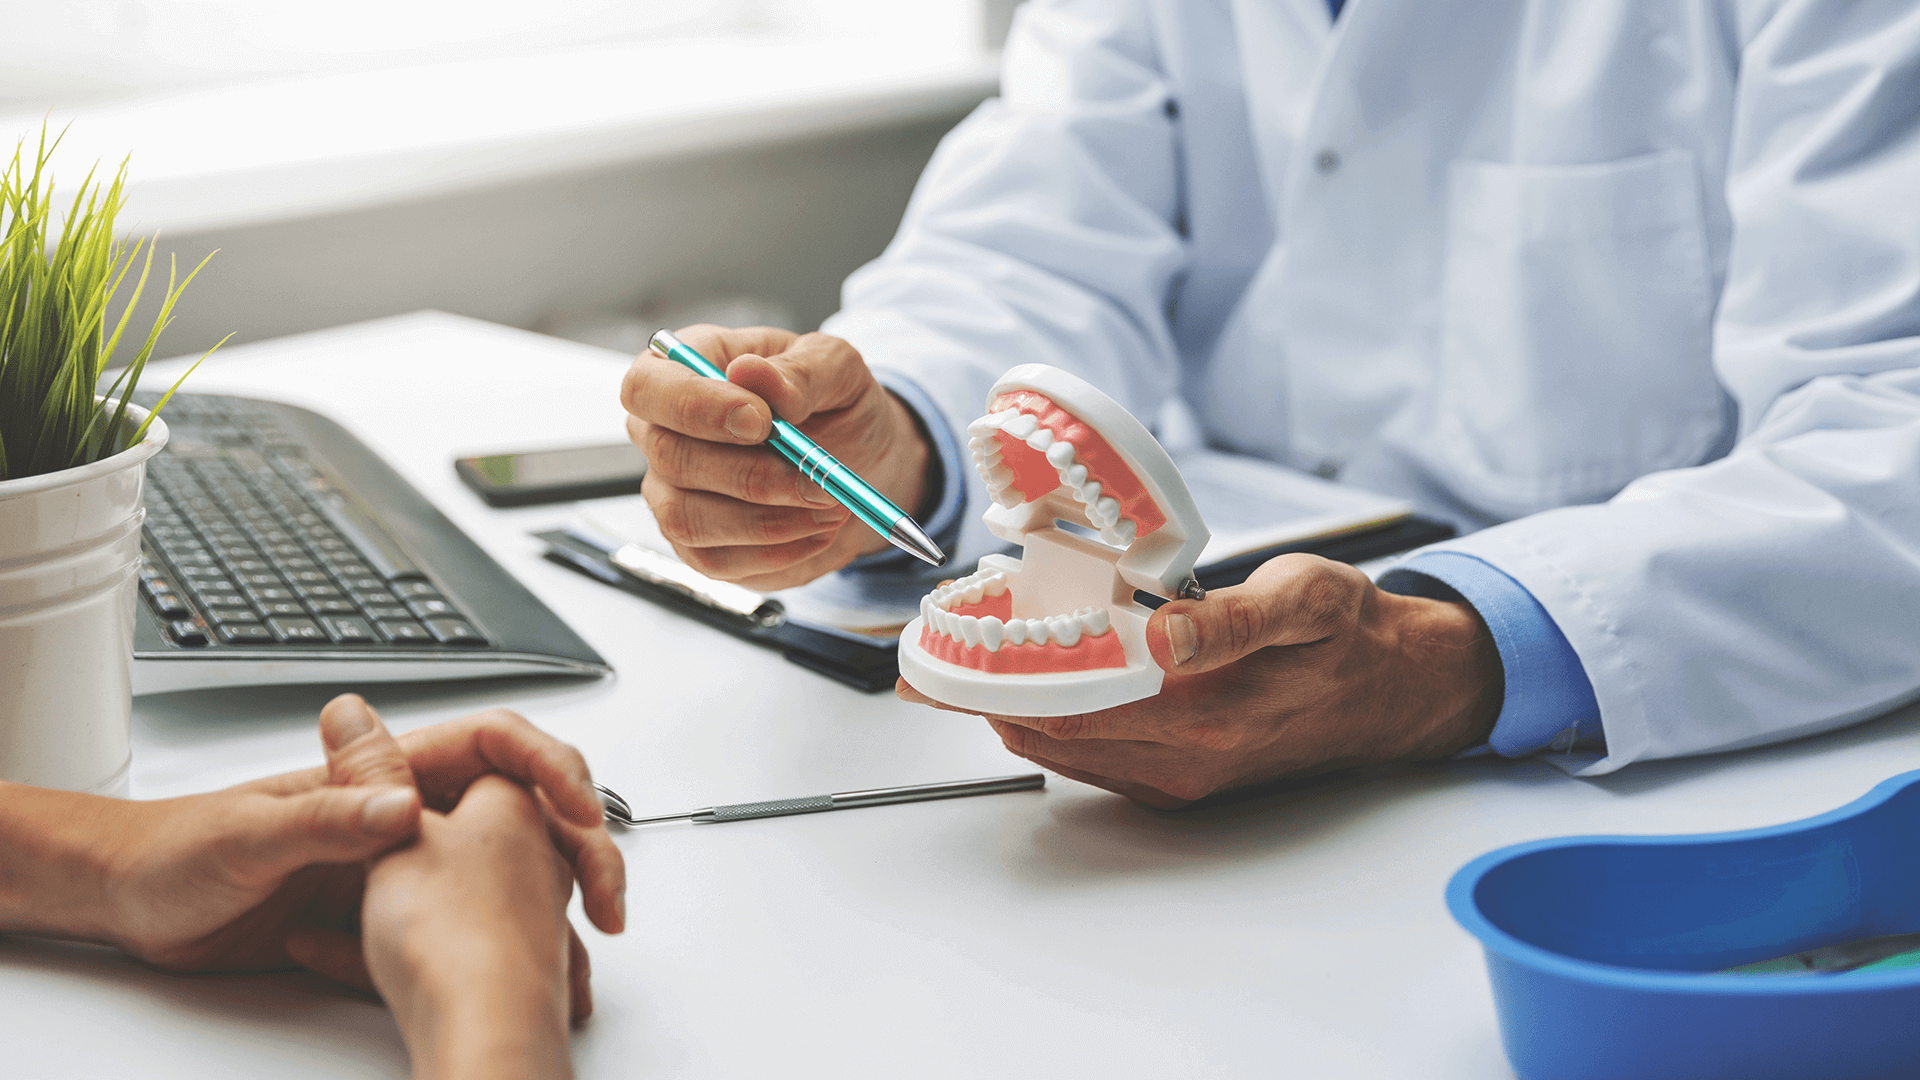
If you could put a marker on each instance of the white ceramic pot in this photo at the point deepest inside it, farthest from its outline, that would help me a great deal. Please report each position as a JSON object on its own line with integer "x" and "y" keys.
{"x": 69, "y": 565}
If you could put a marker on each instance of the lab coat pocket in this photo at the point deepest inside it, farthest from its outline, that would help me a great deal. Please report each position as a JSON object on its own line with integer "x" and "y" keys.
{"x": 1575, "y": 330}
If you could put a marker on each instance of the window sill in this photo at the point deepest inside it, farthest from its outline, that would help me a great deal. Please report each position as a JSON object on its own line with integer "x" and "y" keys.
{"x": 302, "y": 147}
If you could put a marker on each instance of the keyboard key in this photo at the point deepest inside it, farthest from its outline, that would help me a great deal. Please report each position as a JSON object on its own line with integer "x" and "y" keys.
{"x": 309, "y": 577}
{"x": 187, "y": 632}
{"x": 403, "y": 630}
{"x": 246, "y": 633}
{"x": 222, "y": 599}
{"x": 385, "y": 612}
{"x": 222, "y": 616}
{"x": 282, "y": 607}
{"x": 359, "y": 583}
{"x": 377, "y": 596}
{"x": 412, "y": 590}
{"x": 287, "y": 628}
{"x": 262, "y": 578}
{"x": 454, "y": 632}
{"x": 266, "y": 594}
{"x": 336, "y": 606}
{"x": 317, "y": 592}
{"x": 204, "y": 571}
{"x": 166, "y": 604}
{"x": 375, "y": 546}
{"x": 347, "y": 629}
{"x": 432, "y": 609}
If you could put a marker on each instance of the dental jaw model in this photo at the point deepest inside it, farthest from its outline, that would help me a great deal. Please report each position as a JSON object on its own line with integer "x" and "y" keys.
{"x": 1057, "y": 631}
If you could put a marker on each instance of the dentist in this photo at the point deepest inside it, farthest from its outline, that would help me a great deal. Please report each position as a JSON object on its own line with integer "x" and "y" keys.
{"x": 1627, "y": 289}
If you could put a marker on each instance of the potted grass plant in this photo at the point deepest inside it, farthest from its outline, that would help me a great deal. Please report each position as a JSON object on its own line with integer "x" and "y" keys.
{"x": 72, "y": 460}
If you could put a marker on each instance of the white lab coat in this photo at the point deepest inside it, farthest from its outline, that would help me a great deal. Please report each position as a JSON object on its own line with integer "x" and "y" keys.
{"x": 1634, "y": 282}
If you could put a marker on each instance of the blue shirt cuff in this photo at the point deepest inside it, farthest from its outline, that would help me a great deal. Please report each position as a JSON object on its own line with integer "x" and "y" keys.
{"x": 943, "y": 525}
{"x": 1549, "y": 700}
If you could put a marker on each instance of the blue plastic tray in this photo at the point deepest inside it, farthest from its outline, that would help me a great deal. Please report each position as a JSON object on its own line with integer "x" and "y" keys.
{"x": 1603, "y": 950}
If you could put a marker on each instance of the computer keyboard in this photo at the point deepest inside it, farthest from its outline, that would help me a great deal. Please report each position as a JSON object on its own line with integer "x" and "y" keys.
{"x": 279, "y": 549}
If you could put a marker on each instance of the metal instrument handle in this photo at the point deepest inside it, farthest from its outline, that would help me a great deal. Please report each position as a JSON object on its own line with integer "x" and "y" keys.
{"x": 774, "y": 808}
{"x": 951, "y": 790}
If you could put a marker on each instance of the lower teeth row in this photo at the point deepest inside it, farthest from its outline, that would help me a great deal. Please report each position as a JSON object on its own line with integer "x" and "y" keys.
{"x": 989, "y": 630}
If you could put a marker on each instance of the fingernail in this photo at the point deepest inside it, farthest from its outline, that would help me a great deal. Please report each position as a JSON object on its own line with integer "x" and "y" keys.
{"x": 620, "y": 903}
{"x": 1183, "y": 637}
{"x": 388, "y": 812}
{"x": 346, "y": 721}
{"x": 828, "y": 517}
{"x": 815, "y": 494}
{"x": 742, "y": 423}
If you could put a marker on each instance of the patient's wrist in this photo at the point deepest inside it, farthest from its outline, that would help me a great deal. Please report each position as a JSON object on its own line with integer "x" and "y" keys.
{"x": 477, "y": 1013}
{"x": 54, "y": 863}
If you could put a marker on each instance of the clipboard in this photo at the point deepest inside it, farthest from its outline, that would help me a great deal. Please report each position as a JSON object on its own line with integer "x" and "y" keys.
{"x": 837, "y": 654}
{"x": 873, "y": 666}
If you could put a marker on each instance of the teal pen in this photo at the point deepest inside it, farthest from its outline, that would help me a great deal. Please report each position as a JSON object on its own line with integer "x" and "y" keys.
{"x": 822, "y": 468}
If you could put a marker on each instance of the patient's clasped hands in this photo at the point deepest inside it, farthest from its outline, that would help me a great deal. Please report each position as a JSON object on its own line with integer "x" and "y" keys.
{"x": 434, "y": 868}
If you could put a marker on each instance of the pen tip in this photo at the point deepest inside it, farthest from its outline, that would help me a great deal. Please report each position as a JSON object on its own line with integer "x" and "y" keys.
{"x": 907, "y": 535}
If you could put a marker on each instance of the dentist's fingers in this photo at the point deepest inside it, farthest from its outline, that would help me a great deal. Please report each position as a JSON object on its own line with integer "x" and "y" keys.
{"x": 1295, "y": 599}
{"x": 814, "y": 373}
{"x": 753, "y": 474}
{"x": 661, "y": 391}
{"x": 699, "y": 519}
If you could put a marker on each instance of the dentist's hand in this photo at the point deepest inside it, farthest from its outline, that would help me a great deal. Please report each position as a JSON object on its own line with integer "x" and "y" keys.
{"x": 737, "y": 510}
{"x": 1306, "y": 667}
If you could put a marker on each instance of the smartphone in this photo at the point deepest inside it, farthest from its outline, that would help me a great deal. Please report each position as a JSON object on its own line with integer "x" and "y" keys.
{"x": 548, "y": 476}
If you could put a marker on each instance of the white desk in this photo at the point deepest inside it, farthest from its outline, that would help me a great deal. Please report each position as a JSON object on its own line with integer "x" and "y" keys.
{"x": 1066, "y": 933}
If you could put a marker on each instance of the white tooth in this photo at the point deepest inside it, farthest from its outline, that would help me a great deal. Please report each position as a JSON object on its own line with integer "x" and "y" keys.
{"x": 1006, "y": 497}
{"x": 1040, "y": 440}
{"x": 1125, "y": 530}
{"x": 1111, "y": 538}
{"x": 992, "y": 633}
{"x": 975, "y": 589}
{"x": 1075, "y": 477}
{"x": 939, "y": 621}
{"x": 996, "y": 585}
{"x": 1060, "y": 454}
{"x": 1089, "y": 494}
{"x": 1110, "y": 509}
{"x": 1064, "y": 628}
{"x": 970, "y": 629}
{"x": 998, "y": 479}
{"x": 1095, "y": 621}
{"x": 1021, "y": 426}
{"x": 926, "y": 610}
{"x": 1037, "y": 631}
{"x": 1016, "y": 631}
{"x": 984, "y": 427}
{"x": 1096, "y": 518}
{"x": 979, "y": 445}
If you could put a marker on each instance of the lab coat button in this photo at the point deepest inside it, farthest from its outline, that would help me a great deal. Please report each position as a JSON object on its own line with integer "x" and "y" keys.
{"x": 1328, "y": 162}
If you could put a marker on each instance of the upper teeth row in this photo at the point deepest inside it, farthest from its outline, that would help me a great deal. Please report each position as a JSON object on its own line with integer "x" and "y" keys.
{"x": 969, "y": 589}
{"x": 1103, "y": 511}
{"x": 971, "y": 630}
